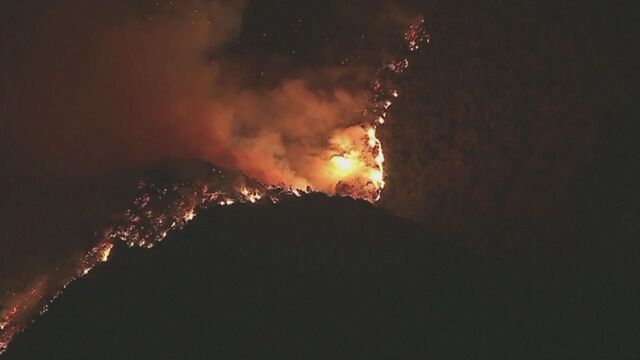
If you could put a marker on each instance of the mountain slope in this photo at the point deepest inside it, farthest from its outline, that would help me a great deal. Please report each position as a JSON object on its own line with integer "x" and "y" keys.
{"x": 314, "y": 277}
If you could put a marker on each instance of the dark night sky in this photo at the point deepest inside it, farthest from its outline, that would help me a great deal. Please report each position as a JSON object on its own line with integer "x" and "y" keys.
{"x": 514, "y": 135}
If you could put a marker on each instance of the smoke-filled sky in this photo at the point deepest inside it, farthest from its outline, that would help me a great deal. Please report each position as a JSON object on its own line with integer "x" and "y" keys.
{"x": 93, "y": 92}
{"x": 504, "y": 134}
{"x": 97, "y": 87}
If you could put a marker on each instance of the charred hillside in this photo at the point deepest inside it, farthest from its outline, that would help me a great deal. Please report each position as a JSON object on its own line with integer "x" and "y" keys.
{"x": 310, "y": 277}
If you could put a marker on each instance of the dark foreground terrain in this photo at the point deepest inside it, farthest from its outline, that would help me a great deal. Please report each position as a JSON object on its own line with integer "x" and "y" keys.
{"x": 319, "y": 277}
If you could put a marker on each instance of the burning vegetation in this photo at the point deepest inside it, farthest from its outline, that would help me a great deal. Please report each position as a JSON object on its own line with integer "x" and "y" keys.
{"x": 353, "y": 163}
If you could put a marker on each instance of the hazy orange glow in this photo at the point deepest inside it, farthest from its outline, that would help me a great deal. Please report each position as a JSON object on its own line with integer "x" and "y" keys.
{"x": 351, "y": 164}
{"x": 343, "y": 165}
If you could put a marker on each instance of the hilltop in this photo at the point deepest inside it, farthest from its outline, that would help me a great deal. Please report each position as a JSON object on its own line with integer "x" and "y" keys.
{"x": 311, "y": 277}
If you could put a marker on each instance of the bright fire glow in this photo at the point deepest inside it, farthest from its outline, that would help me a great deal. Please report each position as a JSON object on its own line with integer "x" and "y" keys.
{"x": 354, "y": 162}
{"x": 343, "y": 165}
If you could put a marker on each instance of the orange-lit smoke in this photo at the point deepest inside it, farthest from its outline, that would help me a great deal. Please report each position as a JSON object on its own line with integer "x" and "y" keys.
{"x": 129, "y": 91}
{"x": 291, "y": 136}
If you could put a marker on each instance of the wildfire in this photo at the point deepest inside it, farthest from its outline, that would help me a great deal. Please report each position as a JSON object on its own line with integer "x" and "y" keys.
{"x": 251, "y": 195}
{"x": 354, "y": 162}
{"x": 12, "y": 319}
{"x": 343, "y": 165}
{"x": 357, "y": 163}
{"x": 416, "y": 35}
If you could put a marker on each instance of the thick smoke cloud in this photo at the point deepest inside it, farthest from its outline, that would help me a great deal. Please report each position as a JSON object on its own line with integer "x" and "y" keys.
{"x": 115, "y": 89}
{"x": 93, "y": 91}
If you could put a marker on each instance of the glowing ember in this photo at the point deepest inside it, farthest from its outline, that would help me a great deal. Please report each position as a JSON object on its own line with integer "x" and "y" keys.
{"x": 416, "y": 35}
{"x": 12, "y": 320}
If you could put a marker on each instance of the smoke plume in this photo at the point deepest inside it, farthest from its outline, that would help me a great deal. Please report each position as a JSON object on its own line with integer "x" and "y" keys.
{"x": 100, "y": 89}
{"x": 91, "y": 92}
